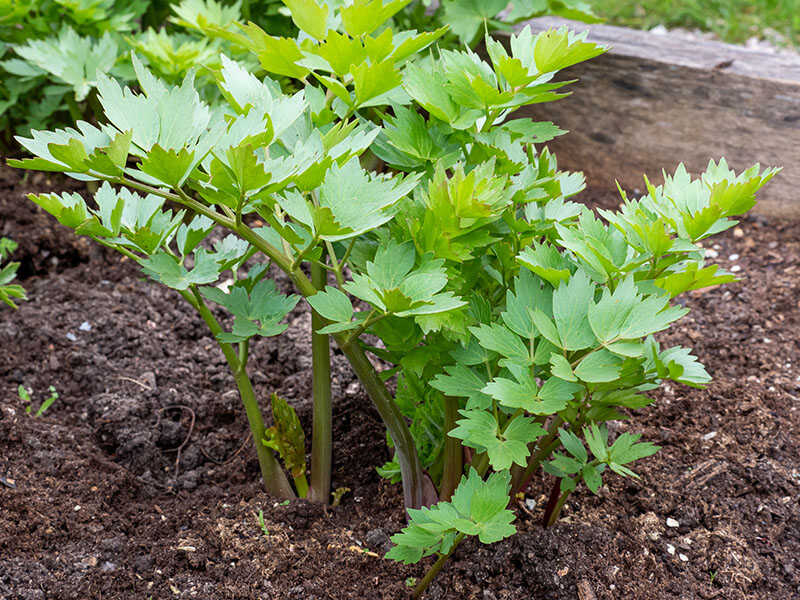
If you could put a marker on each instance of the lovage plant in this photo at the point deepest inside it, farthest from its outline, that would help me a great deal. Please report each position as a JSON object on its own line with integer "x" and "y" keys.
{"x": 423, "y": 226}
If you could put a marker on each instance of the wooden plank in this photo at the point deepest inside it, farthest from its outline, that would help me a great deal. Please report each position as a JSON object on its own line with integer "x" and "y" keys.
{"x": 656, "y": 100}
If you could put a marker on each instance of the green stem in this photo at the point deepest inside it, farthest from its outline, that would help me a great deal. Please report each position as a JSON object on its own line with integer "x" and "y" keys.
{"x": 436, "y": 567}
{"x": 274, "y": 478}
{"x": 405, "y": 450}
{"x": 301, "y": 485}
{"x": 322, "y": 426}
{"x": 546, "y": 446}
{"x": 453, "y": 452}
{"x": 74, "y": 109}
{"x": 556, "y": 511}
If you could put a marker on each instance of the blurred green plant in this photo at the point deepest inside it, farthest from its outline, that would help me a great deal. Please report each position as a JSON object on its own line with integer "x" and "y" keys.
{"x": 9, "y": 291}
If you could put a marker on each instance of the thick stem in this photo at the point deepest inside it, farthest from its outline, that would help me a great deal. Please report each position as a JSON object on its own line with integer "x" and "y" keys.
{"x": 322, "y": 426}
{"x": 435, "y": 568}
{"x": 552, "y": 500}
{"x": 405, "y": 451}
{"x": 453, "y": 452}
{"x": 551, "y": 517}
{"x": 274, "y": 478}
{"x": 546, "y": 447}
{"x": 301, "y": 485}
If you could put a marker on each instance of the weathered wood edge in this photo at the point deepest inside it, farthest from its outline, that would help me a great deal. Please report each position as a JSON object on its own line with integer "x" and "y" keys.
{"x": 655, "y": 100}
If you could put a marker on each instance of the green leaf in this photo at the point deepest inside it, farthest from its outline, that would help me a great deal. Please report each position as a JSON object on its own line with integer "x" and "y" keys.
{"x": 372, "y": 81}
{"x": 572, "y": 443}
{"x": 258, "y": 312}
{"x": 352, "y": 201}
{"x": 462, "y": 382}
{"x": 169, "y": 270}
{"x": 502, "y": 340}
{"x": 600, "y": 366}
{"x": 557, "y": 49}
{"x": 170, "y": 167}
{"x": 333, "y": 304}
{"x": 591, "y": 475}
{"x": 466, "y": 17}
{"x": 478, "y": 429}
{"x": 477, "y": 508}
{"x": 546, "y": 262}
{"x": 309, "y": 16}
{"x": 571, "y": 303}
{"x": 560, "y": 367}
{"x": 365, "y": 16}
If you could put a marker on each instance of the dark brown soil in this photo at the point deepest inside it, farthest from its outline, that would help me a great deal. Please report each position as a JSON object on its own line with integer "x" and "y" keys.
{"x": 93, "y": 504}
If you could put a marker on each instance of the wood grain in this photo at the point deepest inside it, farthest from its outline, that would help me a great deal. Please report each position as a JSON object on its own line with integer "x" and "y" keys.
{"x": 655, "y": 100}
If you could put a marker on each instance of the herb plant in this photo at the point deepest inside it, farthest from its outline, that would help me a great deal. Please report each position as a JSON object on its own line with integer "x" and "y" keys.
{"x": 9, "y": 291}
{"x": 422, "y": 225}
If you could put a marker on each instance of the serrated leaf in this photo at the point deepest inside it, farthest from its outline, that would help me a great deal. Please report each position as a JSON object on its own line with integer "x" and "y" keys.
{"x": 462, "y": 382}
{"x": 170, "y": 271}
{"x": 571, "y": 303}
{"x": 309, "y": 16}
{"x": 333, "y": 304}
{"x": 600, "y": 366}
{"x": 502, "y": 340}
{"x": 572, "y": 443}
{"x": 365, "y": 16}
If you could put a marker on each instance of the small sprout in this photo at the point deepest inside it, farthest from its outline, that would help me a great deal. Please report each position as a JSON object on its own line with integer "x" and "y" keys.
{"x": 262, "y": 524}
{"x": 337, "y": 494}
{"x": 25, "y": 395}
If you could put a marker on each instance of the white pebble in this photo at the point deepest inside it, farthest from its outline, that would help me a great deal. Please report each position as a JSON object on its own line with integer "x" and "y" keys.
{"x": 683, "y": 557}
{"x": 736, "y": 268}
{"x": 672, "y": 522}
{"x": 709, "y": 436}
{"x": 77, "y": 507}
{"x": 670, "y": 549}
{"x": 530, "y": 503}
{"x": 71, "y": 337}
{"x": 767, "y": 340}
{"x": 85, "y": 326}
{"x": 711, "y": 253}
{"x": 733, "y": 257}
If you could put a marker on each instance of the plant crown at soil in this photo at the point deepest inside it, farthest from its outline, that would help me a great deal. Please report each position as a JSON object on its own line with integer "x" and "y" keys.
{"x": 517, "y": 323}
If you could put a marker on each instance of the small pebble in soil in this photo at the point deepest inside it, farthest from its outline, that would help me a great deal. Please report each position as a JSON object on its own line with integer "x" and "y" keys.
{"x": 85, "y": 326}
{"x": 670, "y": 549}
{"x": 733, "y": 257}
{"x": 530, "y": 503}
{"x": 683, "y": 557}
{"x": 672, "y": 522}
{"x": 709, "y": 436}
{"x": 710, "y": 253}
{"x": 736, "y": 268}
{"x": 71, "y": 337}
{"x": 378, "y": 541}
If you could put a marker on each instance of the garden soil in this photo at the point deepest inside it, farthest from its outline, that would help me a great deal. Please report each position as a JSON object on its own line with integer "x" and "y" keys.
{"x": 141, "y": 480}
